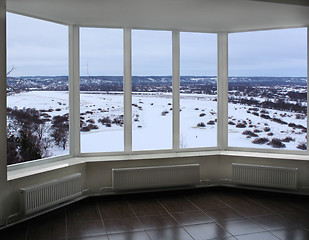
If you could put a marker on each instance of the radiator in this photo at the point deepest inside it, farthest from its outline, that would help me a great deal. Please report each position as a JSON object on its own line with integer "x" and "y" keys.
{"x": 47, "y": 194}
{"x": 153, "y": 177}
{"x": 266, "y": 176}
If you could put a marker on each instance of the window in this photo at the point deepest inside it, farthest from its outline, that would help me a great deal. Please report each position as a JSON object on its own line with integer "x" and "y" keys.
{"x": 268, "y": 89}
{"x": 37, "y": 89}
{"x": 198, "y": 90}
{"x": 101, "y": 90}
{"x": 151, "y": 90}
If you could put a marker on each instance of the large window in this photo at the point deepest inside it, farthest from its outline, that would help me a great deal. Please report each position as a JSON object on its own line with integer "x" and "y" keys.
{"x": 37, "y": 89}
{"x": 198, "y": 90}
{"x": 268, "y": 89}
{"x": 151, "y": 90}
{"x": 101, "y": 90}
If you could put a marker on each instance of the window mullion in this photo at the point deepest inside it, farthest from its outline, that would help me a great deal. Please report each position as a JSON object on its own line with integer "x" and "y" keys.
{"x": 307, "y": 88}
{"x": 176, "y": 89}
{"x": 74, "y": 90}
{"x": 127, "y": 89}
{"x": 222, "y": 95}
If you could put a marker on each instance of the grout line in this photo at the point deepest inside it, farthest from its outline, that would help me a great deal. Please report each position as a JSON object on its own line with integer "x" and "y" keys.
{"x": 183, "y": 227}
{"x": 138, "y": 218}
{"x": 66, "y": 223}
{"x": 98, "y": 209}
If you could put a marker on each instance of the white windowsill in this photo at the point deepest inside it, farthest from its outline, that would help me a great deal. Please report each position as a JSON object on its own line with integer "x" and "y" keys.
{"x": 25, "y": 171}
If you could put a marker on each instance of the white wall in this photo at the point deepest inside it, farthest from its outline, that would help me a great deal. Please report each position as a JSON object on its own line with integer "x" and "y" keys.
{"x": 3, "y": 171}
{"x": 98, "y": 175}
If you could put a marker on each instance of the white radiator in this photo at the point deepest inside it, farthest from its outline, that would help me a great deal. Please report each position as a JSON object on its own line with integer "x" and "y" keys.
{"x": 47, "y": 194}
{"x": 266, "y": 176}
{"x": 152, "y": 177}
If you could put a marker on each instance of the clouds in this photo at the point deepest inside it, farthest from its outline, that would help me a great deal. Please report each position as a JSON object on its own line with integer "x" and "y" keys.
{"x": 38, "y": 47}
{"x": 268, "y": 53}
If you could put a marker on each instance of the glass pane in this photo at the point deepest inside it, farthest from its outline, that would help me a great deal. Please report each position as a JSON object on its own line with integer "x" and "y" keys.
{"x": 268, "y": 89}
{"x": 198, "y": 90}
{"x": 101, "y": 90}
{"x": 152, "y": 90}
{"x": 37, "y": 89}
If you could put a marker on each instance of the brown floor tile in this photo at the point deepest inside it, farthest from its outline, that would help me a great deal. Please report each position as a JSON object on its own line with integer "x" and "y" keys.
{"x": 157, "y": 222}
{"x": 223, "y": 214}
{"x": 205, "y": 200}
{"x": 240, "y": 227}
{"x": 190, "y": 218}
{"x": 177, "y": 204}
{"x": 169, "y": 234}
{"x": 85, "y": 210}
{"x": 272, "y": 222}
{"x": 252, "y": 211}
{"x": 17, "y": 232}
{"x": 121, "y": 225}
{"x": 292, "y": 234}
{"x": 49, "y": 226}
{"x": 78, "y": 229}
{"x": 99, "y": 237}
{"x": 115, "y": 209}
{"x": 147, "y": 207}
{"x": 207, "y": 231}
{"x": 129, "y": 236}
{"x": 257, "y": 236}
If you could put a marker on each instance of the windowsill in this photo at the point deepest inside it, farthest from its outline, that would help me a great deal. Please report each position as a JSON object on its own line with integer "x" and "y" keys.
{"x": 25, "y": 171}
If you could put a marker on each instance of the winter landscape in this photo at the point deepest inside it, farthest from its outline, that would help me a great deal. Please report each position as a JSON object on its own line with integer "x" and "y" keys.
{"x": 264, "y": 112}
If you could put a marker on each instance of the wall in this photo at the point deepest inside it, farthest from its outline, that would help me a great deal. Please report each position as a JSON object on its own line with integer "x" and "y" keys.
{"x": 3, "y": 171}
{"x": 215, "y": 170}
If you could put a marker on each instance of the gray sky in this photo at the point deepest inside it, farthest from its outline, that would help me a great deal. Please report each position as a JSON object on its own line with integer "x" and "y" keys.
{"x": 38, "y": 47}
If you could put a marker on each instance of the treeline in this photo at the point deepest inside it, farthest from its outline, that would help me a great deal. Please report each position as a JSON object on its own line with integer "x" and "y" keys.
{"x": 276, "y": 105}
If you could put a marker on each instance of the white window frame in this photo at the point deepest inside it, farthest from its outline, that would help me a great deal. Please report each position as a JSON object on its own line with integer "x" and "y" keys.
{"x": 222, "y": 103}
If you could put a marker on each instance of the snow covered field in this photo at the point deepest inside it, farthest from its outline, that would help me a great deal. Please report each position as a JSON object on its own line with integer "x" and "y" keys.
{"x": 152, "y": 121}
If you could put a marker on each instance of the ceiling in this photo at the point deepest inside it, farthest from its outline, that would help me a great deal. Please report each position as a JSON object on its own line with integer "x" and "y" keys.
{"x": 185, "y": 15}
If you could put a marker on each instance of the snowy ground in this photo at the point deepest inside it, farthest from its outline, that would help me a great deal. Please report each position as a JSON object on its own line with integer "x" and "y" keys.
{"x": 152, "y": 120}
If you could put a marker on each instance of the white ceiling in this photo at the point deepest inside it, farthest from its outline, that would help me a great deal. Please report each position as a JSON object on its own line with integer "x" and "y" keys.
{"x": 186, "y": 15}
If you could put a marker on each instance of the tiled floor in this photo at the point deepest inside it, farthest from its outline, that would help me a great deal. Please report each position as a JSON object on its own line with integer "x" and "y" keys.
{"x": 210, "y": 213}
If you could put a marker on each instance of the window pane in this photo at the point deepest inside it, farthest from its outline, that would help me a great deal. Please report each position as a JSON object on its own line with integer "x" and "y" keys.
{"x": 101, "y": 90}
{"x": 152, "y": 90}
{"x": 37, "y": 89}
{"x": 198, "y": 90}
{"x": 268, "y": 89}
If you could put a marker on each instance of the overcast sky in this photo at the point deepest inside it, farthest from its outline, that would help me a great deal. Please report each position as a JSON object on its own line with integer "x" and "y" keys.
{"x": 37, "y": 48}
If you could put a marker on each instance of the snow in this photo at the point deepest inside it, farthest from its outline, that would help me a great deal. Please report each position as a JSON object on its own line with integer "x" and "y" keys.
{"x": 152, "y": 130}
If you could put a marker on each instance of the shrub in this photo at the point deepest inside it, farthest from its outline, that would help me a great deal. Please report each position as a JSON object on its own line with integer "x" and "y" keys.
{"x": 164, "y": 113}
{"x": 257, "y": 130}
{"x": 293, "y": 125}
{"x": 249, "y": 133}
{"x": 270, "y": 134}
{"x": 202, "y": 114}
{"x": 265, "y": 116}
{"x": 241, "y": 125}
{"x": 196, "y": 109}
{"x": 264, "y": 111}
{"x": 211, "y": 122}
{"x": 288, "y": 139}
{"x": 278, "y": 120}
{"x": 231, "y": 123}
{"x": 260, "y": 140}
{"x": 255, "y": 114}
{"x": 105, "y": 120}
{"x": 302, "y": 146}
{"x": 276, "y": 143}
{"x": 201, "y": 124}
{"x": 266, "y": 129}
{"x": 90, "y": 121}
